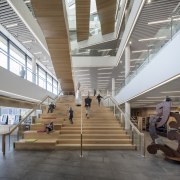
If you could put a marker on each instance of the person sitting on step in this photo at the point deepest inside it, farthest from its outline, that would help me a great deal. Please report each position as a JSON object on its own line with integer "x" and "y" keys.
{"x": 49, "y": 127}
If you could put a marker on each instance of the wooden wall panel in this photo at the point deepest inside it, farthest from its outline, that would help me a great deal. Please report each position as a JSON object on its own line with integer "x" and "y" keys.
{"x": 82, "y": 19}
{"x": 50, "y": 16}
{"x": 106, "y": 10}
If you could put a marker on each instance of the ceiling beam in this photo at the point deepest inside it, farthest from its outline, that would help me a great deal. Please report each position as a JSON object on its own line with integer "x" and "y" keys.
{"x": 50, "y": 16}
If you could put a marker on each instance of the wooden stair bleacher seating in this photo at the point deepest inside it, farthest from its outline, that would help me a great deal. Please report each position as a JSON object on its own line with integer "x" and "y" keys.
{"x": 100, "y": 131}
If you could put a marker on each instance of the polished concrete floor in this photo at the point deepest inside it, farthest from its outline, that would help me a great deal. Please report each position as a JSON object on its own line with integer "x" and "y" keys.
{"x": 67, "y": 165}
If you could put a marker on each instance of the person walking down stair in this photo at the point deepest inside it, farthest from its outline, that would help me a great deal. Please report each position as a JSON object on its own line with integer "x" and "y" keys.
{"x": 99, "y": 99}
{"x": 88, "y": 101}
{"x": 51, "y": 107}
{"x": 71, "y": 115}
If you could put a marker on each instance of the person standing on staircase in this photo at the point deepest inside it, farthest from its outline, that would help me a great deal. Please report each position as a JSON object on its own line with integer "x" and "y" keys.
{"x": 99, "y": 99}
{"x": 88, "y": 101}
{"x": 71, "y": 115}
{"x": 51, "y": 107}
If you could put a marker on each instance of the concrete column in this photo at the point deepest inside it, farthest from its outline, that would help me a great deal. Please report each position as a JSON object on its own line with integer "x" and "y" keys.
{"x": 113, "y": 87}
{"x": 34, "y": 70}
{"x": 107, "y": 93}
{"x": 127, "y": 115}
{"x": 127, "y": 60}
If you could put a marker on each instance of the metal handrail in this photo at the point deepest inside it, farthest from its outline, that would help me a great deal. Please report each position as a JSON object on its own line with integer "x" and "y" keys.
{"x": 11, "y": 131}
{"x": 129, "y": 120}
{"x": 44, "y": 99}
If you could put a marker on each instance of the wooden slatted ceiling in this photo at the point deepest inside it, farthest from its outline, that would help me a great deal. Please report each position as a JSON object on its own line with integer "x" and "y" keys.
{"x": 106, "y": 10}
{"x": 50, "y": 16}
{"x": 82, "y": 19}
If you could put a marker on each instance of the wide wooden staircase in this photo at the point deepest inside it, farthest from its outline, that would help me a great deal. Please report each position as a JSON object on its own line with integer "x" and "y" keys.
{"x": 100, "y": 131}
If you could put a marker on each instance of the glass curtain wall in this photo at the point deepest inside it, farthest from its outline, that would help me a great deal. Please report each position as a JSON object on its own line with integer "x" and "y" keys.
{"x": 29, "y": 69}
{"x": 18, "y": 62}
{"x": 42, "y": 78}
{"x": 3, "y": 52}
{"x": 49, "y": 83}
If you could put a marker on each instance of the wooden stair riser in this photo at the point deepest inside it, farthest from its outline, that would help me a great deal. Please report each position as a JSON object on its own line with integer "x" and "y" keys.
{"x": 94, "y": 141}
{"x": 94, "y": 147}
{"x": 36, "y": 127}
{"x": 92, "y": 131}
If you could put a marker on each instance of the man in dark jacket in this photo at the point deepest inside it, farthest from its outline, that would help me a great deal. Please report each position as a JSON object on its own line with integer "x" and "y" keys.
{"x": 99, "y": 99}
{"x": 88, "y": 101}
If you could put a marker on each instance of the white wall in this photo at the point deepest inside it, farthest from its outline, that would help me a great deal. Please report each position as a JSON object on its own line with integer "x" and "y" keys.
{"x": 15, "y": 85}
{"x": 165, "y": 65}
{"x": 93, "y": 61}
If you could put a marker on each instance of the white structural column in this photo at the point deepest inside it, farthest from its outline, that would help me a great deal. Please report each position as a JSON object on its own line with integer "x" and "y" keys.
{"x": 127, "y": 115}
{"x": 113, "y": 87}
{"x": 34, "y": 70}
{"x": 127, "y": 60}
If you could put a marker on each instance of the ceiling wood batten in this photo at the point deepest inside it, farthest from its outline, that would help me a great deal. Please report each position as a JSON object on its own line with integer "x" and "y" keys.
{"x": 106, "y": 10}
{"x": 50, "y": 16}
{"x": 82, "y": 19}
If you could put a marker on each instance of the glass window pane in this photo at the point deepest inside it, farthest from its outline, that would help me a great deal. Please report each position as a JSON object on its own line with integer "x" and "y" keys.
{"x": 29, "y": 69}
{"x": 42, "y": 78}
{"x": 17, "y": 61}
{"x": 49, "y": 83}
{"x": 3, "y": 52}
{"x": 55, "y": 86}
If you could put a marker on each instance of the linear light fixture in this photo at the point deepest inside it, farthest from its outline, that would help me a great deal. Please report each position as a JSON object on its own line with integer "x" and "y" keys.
{"x": 105, "y": 73}
{"x": 121, "y": 76}
{"x": 136, "y": 60}
{"x": 155, "y": 38}
{"x": 144, "y": 50}
{"x": 103, "y": 77}
{"x": 102, "y": 50}
{"x": 104, "y": 68}
{"x": 12, "y": 25}
{"x": 83, "y": 78}
{"x": 37, "y": 53}
{"x": 159, "y": 97}
{"x": 83, "y": 75}
{"x": 80, "y": 70}
{"x": 25, "y": 42}
{"x": 163, "y": 21}
{"x": 27, "y": 1}
{"x": 119, "y": 79}
{"x": 170, "y": 92}
{"x": 10, "y": 93}
{"x": 103, "y": 80}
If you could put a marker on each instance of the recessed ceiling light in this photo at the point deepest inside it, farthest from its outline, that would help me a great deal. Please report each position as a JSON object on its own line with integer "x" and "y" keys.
{"x": 148, "y": 1}
{"x": 103, "y": 77}
{"x": 102, "y": 80}
{"x": 170, "y": 92}
{"x": 136, "y": 60}
{"x": 27, "y": 1}
{"x": 104, "y": 69}
{"x": 119, "y": 79}
{"x": 102, "y": 50}
{"x": 155, "y": 38}
{"x": 130, "y": 42}
{"x": 140, "y": 51}
{"x": 105, "y": 73}
{"x": 80, "y": 70}
{"x": 12, "y": 25}
{"x": 83, "y": 78}
{"x": 82, "y": 75}
{"x": 25, "y": 42}
{"x": 37, "y": 53}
